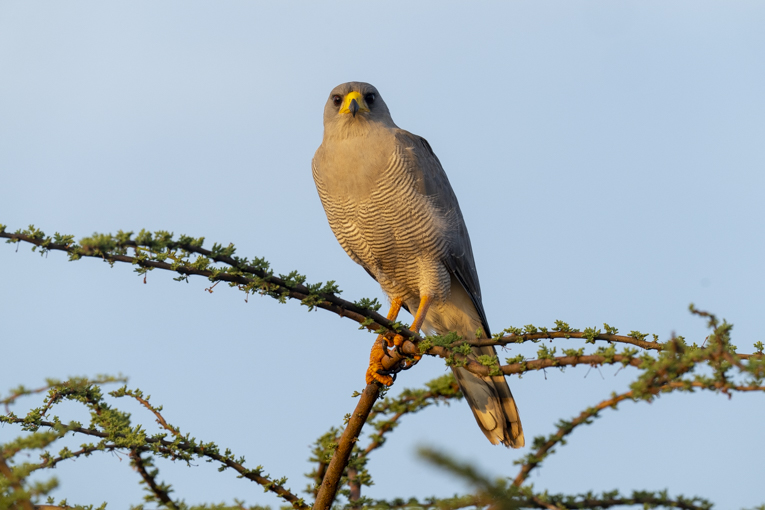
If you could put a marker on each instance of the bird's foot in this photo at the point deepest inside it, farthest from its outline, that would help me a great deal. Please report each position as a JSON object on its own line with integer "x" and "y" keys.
{"x": 376, "y": 372}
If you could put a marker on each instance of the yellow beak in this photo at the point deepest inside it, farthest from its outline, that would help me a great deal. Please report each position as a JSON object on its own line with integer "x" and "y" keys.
{"x": 354, "y": 103}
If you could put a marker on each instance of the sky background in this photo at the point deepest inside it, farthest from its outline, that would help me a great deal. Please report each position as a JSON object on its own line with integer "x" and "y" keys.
{"x": 608, "y": 158}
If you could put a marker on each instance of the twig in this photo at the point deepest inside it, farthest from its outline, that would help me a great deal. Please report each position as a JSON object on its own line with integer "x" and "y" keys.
{"x": 158, "y": 491}
{"x": 86, "y": 451}
{"x": 517, "y": 339}
{"x": 155, "y": 411}
{"x": 15, "y": 395}
{"x": 701, "y": 313}
{"x": 539, "y": 455}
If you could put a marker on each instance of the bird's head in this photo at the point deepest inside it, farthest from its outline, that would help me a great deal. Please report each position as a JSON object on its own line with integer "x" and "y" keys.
{"x": 354, "y": 104}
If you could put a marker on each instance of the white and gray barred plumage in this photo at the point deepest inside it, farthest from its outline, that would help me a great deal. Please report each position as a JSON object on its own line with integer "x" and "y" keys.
{"x": 391, "y": 207}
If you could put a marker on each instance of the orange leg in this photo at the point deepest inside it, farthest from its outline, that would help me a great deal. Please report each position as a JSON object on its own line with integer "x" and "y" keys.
{"x": 395, "y": 308}
{"x": 378, "y": 349}
{"x": 419, "y": 318}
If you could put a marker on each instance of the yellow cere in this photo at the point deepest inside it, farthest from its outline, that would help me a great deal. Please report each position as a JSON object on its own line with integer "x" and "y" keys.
{"x": 346, "y": 108}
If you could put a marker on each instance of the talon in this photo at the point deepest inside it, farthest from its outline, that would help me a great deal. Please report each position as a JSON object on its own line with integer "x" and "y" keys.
{"x": 398, "y": 341}
{"x": 410, "y": 362}
{"x": 392, "y": 373}
{"x": 375, "y": 372}
{"x": 375, "y": 364}
{"x": 382, "y": 379}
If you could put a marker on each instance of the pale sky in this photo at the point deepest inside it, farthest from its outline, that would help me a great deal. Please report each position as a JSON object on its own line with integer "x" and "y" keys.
{"x": 608, "y": 158}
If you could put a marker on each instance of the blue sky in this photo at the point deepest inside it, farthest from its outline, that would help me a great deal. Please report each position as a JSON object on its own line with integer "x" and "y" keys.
{"x": 608, "y": 158}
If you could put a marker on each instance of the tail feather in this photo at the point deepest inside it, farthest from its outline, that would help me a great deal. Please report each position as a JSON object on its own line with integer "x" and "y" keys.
{"x": 492, "y": 404}
{"x": 489, "y": 397}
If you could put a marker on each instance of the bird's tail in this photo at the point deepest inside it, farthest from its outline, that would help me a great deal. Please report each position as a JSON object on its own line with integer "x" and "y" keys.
{"x": 492, "y": 404}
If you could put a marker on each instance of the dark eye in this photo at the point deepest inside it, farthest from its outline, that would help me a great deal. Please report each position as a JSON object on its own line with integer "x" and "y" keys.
{"x": 370, "y": 98}
{"x": 337, "y": 100}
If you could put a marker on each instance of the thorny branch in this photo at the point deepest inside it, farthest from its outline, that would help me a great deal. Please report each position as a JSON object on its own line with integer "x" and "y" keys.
{"x": 547, "y": 501}
{"x": 662, "y": 374}
{"x": 408, "y": 402}
{"x": 261, "y": 279}
{"x": 149, "y": 478}
{"x": 168, "y": 447}
{"x": 156, "y": 411}
{"x": 22, "y": 392}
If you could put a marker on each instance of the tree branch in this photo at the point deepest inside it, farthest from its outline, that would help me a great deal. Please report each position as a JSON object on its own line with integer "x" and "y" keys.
{"x": 160, "y": 419}
{"x": 408, "y": 402}
{"x": 149, "y": 478}
{"x": 250, "y": 474}
{"x": 521, "y": 338}
{"x": 349, "y": 437}
{"x": 17, "y": 393}
{"x": 368, "y": 318}
{"x": 544, "y": 449}
{"x": 297, "y": 291}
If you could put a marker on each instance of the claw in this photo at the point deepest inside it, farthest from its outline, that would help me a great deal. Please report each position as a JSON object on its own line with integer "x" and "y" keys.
{"x": 375, "y": 364}
{"x": 410, "y": 362}
{"x": 389, "y": 373}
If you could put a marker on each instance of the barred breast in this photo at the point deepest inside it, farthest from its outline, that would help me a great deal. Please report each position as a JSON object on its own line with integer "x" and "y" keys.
{"x": 389, "y": 226}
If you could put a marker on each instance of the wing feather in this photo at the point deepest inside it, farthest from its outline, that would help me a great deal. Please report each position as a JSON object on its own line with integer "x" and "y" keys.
{"x": 458, "y": 259}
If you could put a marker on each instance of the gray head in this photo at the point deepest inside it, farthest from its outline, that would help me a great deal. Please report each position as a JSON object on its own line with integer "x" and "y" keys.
{"x": 351, "y": 106}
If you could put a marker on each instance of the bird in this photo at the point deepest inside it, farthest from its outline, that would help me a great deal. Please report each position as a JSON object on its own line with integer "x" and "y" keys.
{"x": 392, "y": 209}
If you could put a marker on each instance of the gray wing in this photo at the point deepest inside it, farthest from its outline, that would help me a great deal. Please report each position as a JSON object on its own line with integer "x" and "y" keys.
{"x": 459, "y": 258}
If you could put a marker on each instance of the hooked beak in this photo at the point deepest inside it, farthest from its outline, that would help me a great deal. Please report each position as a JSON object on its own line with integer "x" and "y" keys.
{"x": 354, "y": 103}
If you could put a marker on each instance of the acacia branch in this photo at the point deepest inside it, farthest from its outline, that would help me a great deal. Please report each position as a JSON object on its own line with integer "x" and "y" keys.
{"x": 392, "y": 359}
{"x": 23, "y": 392}
{"x": 406, "y": 404}
{"x": 149, "y": 478}
{"x": 536, "y": 458}
{"x": 160, "y": 419}
{"x": 496, "y": 495}
{"x": 329, "y": 486}
{"x": 531, "y": 337}
{"x": 662, "y": 375}
{"x": 649, "y": 500}
{"x": 50, "y": 462}
{"x": 368, "y": 318}
{"x": 378, "y": 442}
{"x": 300, "y": 292}
{"x": 556, "y": 502}
{"x": 169, "y": 446}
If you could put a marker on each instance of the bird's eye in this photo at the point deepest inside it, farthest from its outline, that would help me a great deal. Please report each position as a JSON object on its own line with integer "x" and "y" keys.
{"x": 370, "y": 98}
{"x": 337, "y": 100}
